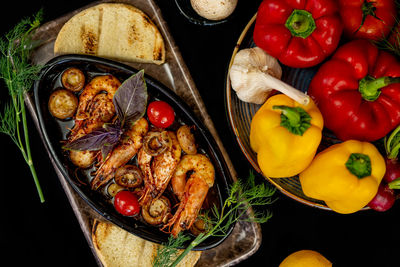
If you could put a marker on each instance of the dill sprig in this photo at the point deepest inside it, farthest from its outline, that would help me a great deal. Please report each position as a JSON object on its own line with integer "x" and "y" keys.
{"x": 242, "y": 197}
{"x": 392, "y": 46}
{"x": 18, "y": 75}
{"x": 391, "y": 43}
{"x": 167, "y": 254}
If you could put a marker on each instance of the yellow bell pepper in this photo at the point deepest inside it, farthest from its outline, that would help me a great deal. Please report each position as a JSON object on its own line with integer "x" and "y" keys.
{"x": 285, "y": 135}
{"x": 346, "y": 175}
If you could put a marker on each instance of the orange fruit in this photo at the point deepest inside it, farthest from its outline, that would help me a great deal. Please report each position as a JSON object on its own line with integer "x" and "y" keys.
{"x": 305, "y": 258}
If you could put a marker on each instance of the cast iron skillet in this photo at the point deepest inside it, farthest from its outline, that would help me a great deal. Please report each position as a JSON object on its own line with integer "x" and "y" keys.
{"x": 54, "y": 131}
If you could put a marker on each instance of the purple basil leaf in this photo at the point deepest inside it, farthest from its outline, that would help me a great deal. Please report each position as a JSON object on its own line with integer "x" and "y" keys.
{"x": 130, "y": 100}
{"x": 106, "y": 149}
{"x": 113, "y": 127}
{"x": 108, "y": 135}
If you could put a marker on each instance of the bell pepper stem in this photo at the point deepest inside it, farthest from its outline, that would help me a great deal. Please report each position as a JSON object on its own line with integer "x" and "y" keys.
{"x": 359, "y": 165}
{"x": 286, "y": 89}
{"x": 291, "y": 113}
{"x": 295, "y": 119}
{"x": 300, "y": 23}
{"x": 392, "y": 144}
{"x": 370, "y": 87}
{"x": 395, "y": 184}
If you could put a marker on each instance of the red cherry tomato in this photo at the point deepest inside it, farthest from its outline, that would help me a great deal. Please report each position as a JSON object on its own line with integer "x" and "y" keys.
{"x": 160, "y": 114}
{"x": 126, "y": 203}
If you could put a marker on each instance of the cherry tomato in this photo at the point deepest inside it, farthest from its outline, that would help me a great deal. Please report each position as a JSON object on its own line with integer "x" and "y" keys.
{"x": 160, "y": 114}
{"x": 126, "y": 203}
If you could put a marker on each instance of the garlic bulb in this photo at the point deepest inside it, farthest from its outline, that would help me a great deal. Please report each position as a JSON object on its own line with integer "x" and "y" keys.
{"x": 254, "y": 74}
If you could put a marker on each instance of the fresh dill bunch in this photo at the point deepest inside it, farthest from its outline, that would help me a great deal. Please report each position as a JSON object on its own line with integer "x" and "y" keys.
{"x": 15, "y": 48}
{"x": 242, "y": 197}
{"x": 19, "y": 75}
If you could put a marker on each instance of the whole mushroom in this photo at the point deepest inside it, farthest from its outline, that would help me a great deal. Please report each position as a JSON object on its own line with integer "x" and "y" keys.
{"x": 214, "y": 9}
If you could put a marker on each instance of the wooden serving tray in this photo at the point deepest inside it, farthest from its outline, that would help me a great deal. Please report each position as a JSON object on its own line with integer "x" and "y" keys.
{"x": 246, "y": 237}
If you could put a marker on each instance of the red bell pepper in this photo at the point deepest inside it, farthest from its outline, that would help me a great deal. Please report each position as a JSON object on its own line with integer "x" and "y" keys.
{"x": 358, "y": 91}
{"x": 299, "y": 33}
{"x": 369, "y": 19}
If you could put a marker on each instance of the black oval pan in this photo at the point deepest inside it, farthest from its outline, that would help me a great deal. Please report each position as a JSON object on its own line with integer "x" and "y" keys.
{"x": 54, "y": 131}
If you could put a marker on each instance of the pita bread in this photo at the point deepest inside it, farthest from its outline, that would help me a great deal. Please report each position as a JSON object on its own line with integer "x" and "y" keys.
{"x": 112, "y": 30}
{"x": 116, "y": 247}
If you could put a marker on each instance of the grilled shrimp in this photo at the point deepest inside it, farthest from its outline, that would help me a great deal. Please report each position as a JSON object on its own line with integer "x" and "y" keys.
{"x": 101, "y": 110}
{"x": 95, "y": 108}
{"x": 104, "y": 83}
{"x": 158, "y": 170}
{"x": 126, "y": 149}
{"x": 192, "y": 192}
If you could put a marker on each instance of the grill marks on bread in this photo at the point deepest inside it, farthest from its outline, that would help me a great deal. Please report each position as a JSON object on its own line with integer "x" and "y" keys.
{"x": 90, "y": 41}
{"x": 90, "y": 36}
{"x": 115, "y": 31}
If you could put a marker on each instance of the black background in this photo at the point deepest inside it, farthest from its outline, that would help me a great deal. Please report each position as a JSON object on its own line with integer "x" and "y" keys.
{"x": 48, "y": 234}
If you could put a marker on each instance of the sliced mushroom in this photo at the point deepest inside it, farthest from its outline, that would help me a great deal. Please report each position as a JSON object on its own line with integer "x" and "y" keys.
{"x": 158, "y": 211}
{"x": 155, "y": 143}
{"x": 129, "y": 176}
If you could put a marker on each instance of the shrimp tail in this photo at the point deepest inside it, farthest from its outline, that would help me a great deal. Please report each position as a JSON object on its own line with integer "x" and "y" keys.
{"x": 99, "y": 180}
{"x": 146, "y": 198}
{"x": 102, "y": 175}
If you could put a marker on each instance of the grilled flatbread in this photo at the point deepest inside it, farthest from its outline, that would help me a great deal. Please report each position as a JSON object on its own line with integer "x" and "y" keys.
{"x": 116, "y": 247}
{"x": 112, "y": 30}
